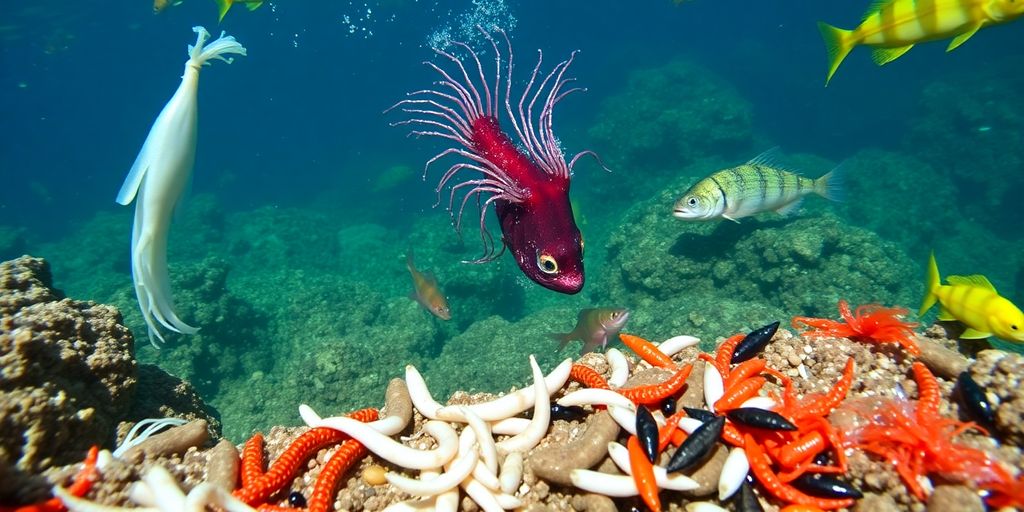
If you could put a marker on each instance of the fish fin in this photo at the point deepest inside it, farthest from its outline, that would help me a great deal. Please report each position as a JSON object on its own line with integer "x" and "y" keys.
{"x": 768, "y": 158}
{"x": 790, "y": 208}
{"x": 563, "y": 338}
{"x": 726, "y": 216}
{"x": 838, "y": 43}
{"x": 408, "y": 261}
{"x": 875, "y": 7}
{"x": 962, "y": 38}
{"x": 253, "y": 5}
{"x": 223, "y": 6}
{"x": 931, "y": 285}
{"x": 973, "y": 280}
{"x": 831, "y": 185}
{"x": 883, "y": 56}
{"x": 974, "y": 334}
{"x": 945, "y": 315}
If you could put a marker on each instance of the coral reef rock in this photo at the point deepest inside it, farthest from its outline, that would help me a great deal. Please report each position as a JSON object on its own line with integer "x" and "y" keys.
{"x": 68, "y": 370}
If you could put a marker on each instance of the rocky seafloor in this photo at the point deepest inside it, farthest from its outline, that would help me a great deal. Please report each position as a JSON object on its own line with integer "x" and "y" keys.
{"x": 69, "y": 380}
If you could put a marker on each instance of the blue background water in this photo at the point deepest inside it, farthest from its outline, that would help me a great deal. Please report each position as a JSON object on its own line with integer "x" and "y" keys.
{"x": 299, "y": 124}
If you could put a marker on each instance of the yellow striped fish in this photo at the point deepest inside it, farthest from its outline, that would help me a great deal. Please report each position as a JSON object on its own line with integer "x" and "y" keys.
{"x": 893, "y": 27}
{"x": 974, "y": 302}
{"x": 754, "y": 187}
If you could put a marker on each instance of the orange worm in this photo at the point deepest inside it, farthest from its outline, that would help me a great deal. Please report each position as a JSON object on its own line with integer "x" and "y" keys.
{"x": 325, "y": 489}
{"x": 647, "y": 351}
{"x": 643, "y": 474}
{"x": 301, "y": 450}
{"x": 252, "y": 460}
{"x": 744, "y": 370}
{"x": 587, "y": 376}
{"x": 759, "y": 465}
{"x": 739, "y": 393}
{"x": 927, "y": 392}
{"x": 655, "y": 393}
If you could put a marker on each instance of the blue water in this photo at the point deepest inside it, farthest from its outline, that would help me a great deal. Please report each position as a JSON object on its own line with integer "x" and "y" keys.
{"x": 299, "y": 123}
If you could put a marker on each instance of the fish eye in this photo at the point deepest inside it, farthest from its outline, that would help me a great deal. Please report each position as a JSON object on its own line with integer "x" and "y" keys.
{"x": 546, "y": 263}
{"x": 615, "y": 314}
{"x": 692, "y": 201}
{"x": 1014, "y": 327}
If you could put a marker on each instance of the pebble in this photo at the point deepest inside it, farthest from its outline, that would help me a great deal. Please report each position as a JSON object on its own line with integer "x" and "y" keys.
{"x": 374, "y": 475}
{"x": 954, "y": 498}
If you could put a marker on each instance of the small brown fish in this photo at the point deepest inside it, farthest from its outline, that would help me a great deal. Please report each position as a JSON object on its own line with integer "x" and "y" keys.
{"x": 160, "y": 5}
{"x": 426, "y": 292}
{"x": 595, "y": 327}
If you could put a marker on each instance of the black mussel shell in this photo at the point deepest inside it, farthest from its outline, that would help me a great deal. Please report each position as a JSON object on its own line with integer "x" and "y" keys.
{"x": 754, "y": 342}
{"x": 701, "y": 415}
{"x": 760, "y": 418}
{"x": 697, "y": 446}
{"x": 647, "y": 433}
{"x": 974, "y": 400}
{"x": 567, "y": 412}
{"x": 826, "y": 486}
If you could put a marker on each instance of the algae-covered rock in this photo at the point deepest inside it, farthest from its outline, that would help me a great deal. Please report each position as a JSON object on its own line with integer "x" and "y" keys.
{"x": 798, "y": 265}
{"x": 68, "y": 370}
{"x": 676, "y": 112}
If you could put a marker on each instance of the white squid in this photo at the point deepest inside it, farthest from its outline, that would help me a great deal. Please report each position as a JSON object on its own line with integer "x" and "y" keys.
{"x": 158, "y": 178}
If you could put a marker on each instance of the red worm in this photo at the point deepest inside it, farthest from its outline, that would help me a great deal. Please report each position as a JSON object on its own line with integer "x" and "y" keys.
{"x": 647, "y": 351}
{"x": 655, "y": 393}
{"x": 587, "y": 376}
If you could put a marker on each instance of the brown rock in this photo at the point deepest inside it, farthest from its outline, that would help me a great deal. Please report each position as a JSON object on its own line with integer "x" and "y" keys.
{"x": 954, "y": 498}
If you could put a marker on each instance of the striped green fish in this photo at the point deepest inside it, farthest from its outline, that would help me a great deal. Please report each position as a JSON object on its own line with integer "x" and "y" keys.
{"x": 754, "y": 187}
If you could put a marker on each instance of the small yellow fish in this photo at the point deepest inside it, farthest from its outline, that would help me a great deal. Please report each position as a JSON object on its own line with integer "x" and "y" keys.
{"x": 223, "y": 6}
{"x": 596, "y": 327}
{"x": 427, "y": 292}
{"x": 757, "y": 186}
{"x": 893, "y": 27}
{"x": 160, "y": 5}
{"x": 974, "y": 302}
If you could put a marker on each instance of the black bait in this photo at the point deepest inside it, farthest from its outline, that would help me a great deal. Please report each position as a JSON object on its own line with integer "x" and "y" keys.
{"x": 296, "y": 500}
{"x": 826, "y": 486}
{"x": 974, "y": 400}
{"x": 754, "y": 342}
{"x": 697, "y": 446}
{"x": 746, "y": 500}
{"x": 647, "y": 433}
{"x": 567, "y": 412}
{"x": 700, "y": 415}
{"x": 760, "y": 418}
{"x": 668, "y": 406}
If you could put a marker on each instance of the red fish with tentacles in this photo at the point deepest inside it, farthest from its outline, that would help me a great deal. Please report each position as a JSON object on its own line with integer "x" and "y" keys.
{"x": 528, "y": 183}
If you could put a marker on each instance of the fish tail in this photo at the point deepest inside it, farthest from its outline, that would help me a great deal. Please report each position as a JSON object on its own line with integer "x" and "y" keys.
{"x": 408, "y": 261}
{"x": 563, "y": 338}
{"x": 223, "y": 6}
{"x": 838, "y": 44}
{"x": 253, "y": 5}
{"x": 931, "y": 285}
{"x": 832, "y": 185}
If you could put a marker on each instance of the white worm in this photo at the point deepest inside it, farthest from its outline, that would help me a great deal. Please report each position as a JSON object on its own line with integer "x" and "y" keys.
{"x": 487, "y": 500}
{"x": 624, "y": 417}
{"x": 509, "y": 426}
{"x": 760, "y": 402}
{"x": 419, "y": 393}
{"x": 688, "y": 425}
{"x": 802, "y": 370}
{"x": 512, "y": 403}
{"x": 459, "y": 470}
{"x": 76, "y": 504}
{"x": 480, "y": 471}
{"x": 734, "y": 472}
{"x": 620, "y": 368}
{"x": 529, "y": 438}
{"x": 615, "y": 486}
{"x": 388, "y": 426}
{"x": 488, "y": 450}
{"x": 714, "y": 388}
{"x": 511, "y": 472}
{"x": 594, "y": 396}
{"x": 395, "y": 452}
{"x": 420, "y": 505}
{"x": 674, "y": 482}
{"x": 675, "y": 344}
{"x": 703, "y": 506}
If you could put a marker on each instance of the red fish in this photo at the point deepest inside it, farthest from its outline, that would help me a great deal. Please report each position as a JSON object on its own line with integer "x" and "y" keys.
{"x": 526, "y": 182}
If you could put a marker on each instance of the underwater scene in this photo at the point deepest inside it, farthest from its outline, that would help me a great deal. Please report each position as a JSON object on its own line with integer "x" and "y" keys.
{"x": 511, "y": 255}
